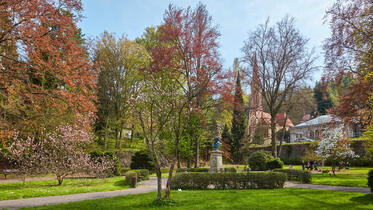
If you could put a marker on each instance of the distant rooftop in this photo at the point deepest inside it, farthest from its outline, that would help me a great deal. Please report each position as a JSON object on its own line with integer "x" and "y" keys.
{"x": 324, "y": 119}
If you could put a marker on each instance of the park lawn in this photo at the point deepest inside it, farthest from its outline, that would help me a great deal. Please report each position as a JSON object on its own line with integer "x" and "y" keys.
{"x": 16, "y": 190}
{"x": 349, "y": 180}
{"x": 289, "y": 198}
{"x": 350, "y": 170}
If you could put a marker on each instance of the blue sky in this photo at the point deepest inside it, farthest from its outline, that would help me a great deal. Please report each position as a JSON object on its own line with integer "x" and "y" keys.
{"x": 236, "y": 18}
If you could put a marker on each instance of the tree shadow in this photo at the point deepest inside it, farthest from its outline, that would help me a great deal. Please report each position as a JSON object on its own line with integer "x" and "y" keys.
{"x": 365, "y": 199}
{"x": 120, "y": 183}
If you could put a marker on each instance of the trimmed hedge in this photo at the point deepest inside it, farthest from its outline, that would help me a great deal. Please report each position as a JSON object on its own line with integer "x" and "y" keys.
{"x": 142, "y": 174}
{"x": 296, "y": 175}
{"x": 182, "y": 170}
{"x": 129, "y": 176}
{"x": 230, "y": 169}
{"x": 219, "y": 181}
{"x": 123, "y": 171}
{"x": 370, "y": 180}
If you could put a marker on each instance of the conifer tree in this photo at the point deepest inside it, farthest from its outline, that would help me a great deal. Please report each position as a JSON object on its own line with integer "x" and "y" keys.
{"x": 238, "y": 121}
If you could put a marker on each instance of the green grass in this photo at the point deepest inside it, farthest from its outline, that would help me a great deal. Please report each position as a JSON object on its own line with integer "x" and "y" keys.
{"x": 349, "y": 180}
{"x": 350, "y": 170}
{"x": 16, "y": 190}
{"x": 234, "y": 199}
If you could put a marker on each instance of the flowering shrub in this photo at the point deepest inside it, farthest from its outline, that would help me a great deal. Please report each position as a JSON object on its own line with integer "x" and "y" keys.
{"x": 334, "y": 146}
{"x": 60, "y": 152}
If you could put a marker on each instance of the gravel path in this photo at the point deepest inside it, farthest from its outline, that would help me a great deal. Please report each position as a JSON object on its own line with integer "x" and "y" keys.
{"x": 327, "y": 187}
{"x": 144, "y": 187}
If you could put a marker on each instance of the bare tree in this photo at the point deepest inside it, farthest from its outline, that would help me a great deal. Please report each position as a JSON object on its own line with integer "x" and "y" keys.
{"x": 283, "y": 62}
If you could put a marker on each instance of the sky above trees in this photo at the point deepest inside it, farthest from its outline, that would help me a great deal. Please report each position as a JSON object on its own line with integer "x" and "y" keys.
{"x": 235, "y": 19}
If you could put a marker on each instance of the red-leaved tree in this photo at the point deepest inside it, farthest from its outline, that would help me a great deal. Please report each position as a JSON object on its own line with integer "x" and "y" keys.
{"x": 46, "y": 77}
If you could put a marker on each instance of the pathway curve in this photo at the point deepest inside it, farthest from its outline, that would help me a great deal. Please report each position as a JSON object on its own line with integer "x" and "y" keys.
{"x": 143, "y": 187}
{"x": 327, "y": 187}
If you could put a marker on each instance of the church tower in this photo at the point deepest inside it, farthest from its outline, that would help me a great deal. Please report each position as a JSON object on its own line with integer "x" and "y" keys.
{"x": 255, "y": 99}
{"x": 255, "y": 106}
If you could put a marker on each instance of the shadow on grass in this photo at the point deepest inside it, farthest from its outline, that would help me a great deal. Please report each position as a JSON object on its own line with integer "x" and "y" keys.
{"x": 120, "y": 183}
{"x": 365, "y": 199}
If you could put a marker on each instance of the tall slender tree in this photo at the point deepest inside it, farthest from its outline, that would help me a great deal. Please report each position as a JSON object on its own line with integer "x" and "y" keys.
{"x": 238, "y": 121}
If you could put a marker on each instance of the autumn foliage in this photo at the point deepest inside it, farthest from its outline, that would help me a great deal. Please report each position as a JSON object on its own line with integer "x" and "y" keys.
{"x": 46, "y": 76}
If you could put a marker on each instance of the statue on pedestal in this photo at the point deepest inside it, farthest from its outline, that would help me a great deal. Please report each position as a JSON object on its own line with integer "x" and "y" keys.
{"x": 216, "y": 143}
{"x": 216, "y": 160}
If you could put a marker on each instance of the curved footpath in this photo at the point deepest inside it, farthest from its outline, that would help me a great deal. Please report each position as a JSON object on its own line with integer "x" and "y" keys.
{"x": 144, "y": 187}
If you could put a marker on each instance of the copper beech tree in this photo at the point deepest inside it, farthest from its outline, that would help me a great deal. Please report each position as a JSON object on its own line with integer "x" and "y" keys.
{"x": 348, "y": 52}
{"x": 46, "y": 76}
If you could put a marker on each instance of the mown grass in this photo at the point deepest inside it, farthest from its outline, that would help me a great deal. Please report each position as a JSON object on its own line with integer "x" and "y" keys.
{"x": 234, "y": 199}
{"x": 348, "y": 180}
{"x": 16, "y": 190}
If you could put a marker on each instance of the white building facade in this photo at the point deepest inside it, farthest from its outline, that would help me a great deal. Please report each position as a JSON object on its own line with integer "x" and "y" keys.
{"x": 311, "y": 130}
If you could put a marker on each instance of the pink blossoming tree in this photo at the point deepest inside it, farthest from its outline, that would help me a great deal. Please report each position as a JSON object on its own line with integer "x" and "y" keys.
{"x": 60, "y": 152}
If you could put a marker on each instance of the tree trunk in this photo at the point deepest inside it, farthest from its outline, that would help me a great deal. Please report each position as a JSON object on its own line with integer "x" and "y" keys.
{"x": 159, "y": 183}
{"x": 60, "y": 180}
{"x": 105, "y": 138}
{"x": 333, "y": 167}
{"x": 282, "y": 135}
{"x": 273, "y": 136}
{"x": 168, "y": 186}
{"x": 196, "y": 161}
{"x": 178, "y": 160}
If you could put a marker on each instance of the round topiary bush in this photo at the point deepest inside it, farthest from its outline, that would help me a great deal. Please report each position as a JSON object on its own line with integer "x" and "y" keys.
{"x": 141, "y": 160}
{"x": 276, "y": 163}
{"x": 258, "y": 160}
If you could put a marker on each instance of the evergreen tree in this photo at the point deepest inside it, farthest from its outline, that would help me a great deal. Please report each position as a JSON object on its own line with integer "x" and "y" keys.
{"x": 322, "y": 98}
{"x": 226, "y": 140}
{"x": 238, "y": 121}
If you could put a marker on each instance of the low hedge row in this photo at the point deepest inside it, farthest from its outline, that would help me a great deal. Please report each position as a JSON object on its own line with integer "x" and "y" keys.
{"x": 219, "y": 181}
{"x": 370, "y": 180}
{"x": 296, "y": 175}
{"x": 230, "y": 169}
{"x": 182, "y": 170}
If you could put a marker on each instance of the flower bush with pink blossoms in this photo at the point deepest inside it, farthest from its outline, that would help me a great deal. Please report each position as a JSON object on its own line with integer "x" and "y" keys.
{"x": 60, "y": 152}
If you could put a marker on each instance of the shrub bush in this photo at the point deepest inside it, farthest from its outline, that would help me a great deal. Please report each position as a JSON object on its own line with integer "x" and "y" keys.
{"x": 258, "y": 160}
{"x": 370, "y": 180}
{"x": 230, "y": 169}
{"x": 142, "y": 174}
{"x": 141, "y": 160}
{"x": 218, "y": 181}
{"x": 129, "y": 175}
{"x": 296, "y": 175}
{"x": 276, "y": 163}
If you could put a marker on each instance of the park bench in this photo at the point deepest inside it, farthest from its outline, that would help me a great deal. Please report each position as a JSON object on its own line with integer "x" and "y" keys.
{"x": 9, "y": 171}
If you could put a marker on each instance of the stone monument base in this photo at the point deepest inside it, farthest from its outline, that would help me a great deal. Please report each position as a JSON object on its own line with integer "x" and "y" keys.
{"x": 216, "y": 161}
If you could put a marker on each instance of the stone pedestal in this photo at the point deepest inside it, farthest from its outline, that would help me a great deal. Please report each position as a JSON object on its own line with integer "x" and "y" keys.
{"x": 216, "y": 161}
